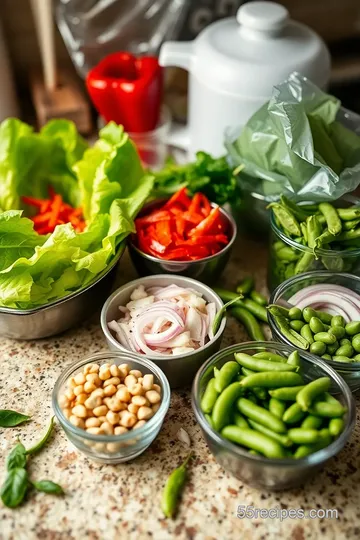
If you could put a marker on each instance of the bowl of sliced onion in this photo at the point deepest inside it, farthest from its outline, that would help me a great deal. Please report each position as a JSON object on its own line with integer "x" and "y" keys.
{"x": 169, "y": 319}
{"x": 336, "y": 294}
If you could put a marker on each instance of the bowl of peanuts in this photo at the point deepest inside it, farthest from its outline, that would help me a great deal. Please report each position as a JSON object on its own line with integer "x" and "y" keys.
{"x": 111, "y": 405}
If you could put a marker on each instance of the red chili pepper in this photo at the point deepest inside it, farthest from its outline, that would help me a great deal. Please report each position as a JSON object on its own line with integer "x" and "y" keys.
{"x": 127, "y": 90}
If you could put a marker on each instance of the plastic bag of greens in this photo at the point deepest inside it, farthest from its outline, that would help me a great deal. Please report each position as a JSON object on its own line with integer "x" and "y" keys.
{"x": 302, "y": 143}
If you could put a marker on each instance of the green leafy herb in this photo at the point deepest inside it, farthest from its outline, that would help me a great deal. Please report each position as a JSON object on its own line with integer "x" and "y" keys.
{"x": 47, "y": 486}
{"x": 211, "y": 176}
{"x": 17, "y": 457}
{"x": 10, "y": 418}
{"x": 40, "y": 444}
{"x": 15, "y": 487}
{"x": 220, "y": 314}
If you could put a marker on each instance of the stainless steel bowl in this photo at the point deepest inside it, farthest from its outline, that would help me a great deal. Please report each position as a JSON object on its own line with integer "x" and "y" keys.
{"x": 58, "y": 316}
{"x": 180, "y": 370}
{"x": 207, "y": 270}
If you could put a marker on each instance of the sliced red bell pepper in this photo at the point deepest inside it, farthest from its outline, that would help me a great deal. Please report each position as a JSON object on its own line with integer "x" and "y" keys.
{"x": 180, "y": 197}
{"x": 206, "y": 224}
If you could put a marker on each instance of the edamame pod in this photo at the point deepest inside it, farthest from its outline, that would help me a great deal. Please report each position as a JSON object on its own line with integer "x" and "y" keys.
{"x": 352, "y": 328}
{"x": 356, "y": 343}
{"x": 222, "y": 409}
{"x": 209, "y": 397}
{"x": 257, "y": 364}
{"x": 307, "y": 334}
{"x": 295, "y": 314}
{"x": 337, "y": 320}
{"x": 272, "y": 380}
{"x": 345, "y": 350}
{"x": 325, "y": 337}
{"x": 318, "y": 348}
{"x": 226, "y": 374}
{"x": 316, "y": 325}
{"x": 296, "y": 325}
{"x": 311, "y": 391}
{"x": 286, "y": 393}
{"x": 260, "y": 415}
{"x": 254, "y": 440}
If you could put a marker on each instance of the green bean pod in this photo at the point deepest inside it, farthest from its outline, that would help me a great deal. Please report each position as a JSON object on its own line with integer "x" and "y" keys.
{"x": 282, "y": 439}
{"x": 252, "y": 326}
{"x": 222, "y": 409}
{"x": 312, "y": 422}
{"x": 293, "y": 414}
{"x": 272, "y": 357}
{"x": 336, "y": 426}
{"x": 272, "y": 380}
{"x": 226, "y": 374}
{"x": 245, "y": 286}
{"x": 303, "y": 436}
{"x": 209, "y": 397}
{"x": 257, "y": 364}
{"x": 311, "y": 391}
{"x": 254, "y": 440}
{"x": 260, "y": 415}
{"x": 286, "y": 394}
{"x": 277, "y": 407}
{"x": 327, "y": 410}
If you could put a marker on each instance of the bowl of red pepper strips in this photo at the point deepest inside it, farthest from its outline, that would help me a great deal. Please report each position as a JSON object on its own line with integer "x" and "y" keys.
{"x": 183, "y": 235}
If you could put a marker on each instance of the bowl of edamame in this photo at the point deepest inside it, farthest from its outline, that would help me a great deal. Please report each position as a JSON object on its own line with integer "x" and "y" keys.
{"x": 306, "y": 330}
{"x": 269, "y": 414}
{"x": 306, "y": 237}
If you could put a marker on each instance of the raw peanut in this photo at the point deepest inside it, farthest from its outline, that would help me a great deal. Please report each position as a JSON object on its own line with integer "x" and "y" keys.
{"x": 136, "y": 389}
{"x": 139, "y": 400}
{"x": 90, "y": 413}
{"x": 123, "y": 394}
{"x": 79, "y": 390}
{"x": 63, "y": 401}
{"x": 101, "y": 410}
{"x": 133, "y": 408}
{"x": 107, "y": 428}
{"x": 67, "y": 413}
{"x": 71, "y": 383}
{"x": 86, "y": 369}
{"x": 124, "y": 370}
{"x": 89, "y": 387}
{"x": 148, "y": 381}
{"x": 69, "y": 394}
{"x": 156, "y": 407}
{"x": 80, "y": 411}
{"x": 135, "y": 372}
{"x": 80, "y": 378}
{"x": 157, "y": 388}
{"x": 139, "y": 424}
{"x": 77, "y": 422}
{"x": 92, "y": 422}
{"x": 130, "y": 380}
{"x": 120, "y": 430}
{"x": 95, "y": 368}
{"x": 99, "y": 392}
{"x": 153, "y": 396}
{"x": 114, "y": 370}
{"x": 127, "y": 419}
{"x": 113, "y": 447}
{"x": 140, "y": 380}
{"x": 113, "y": 418}
{"x": 104, "y": 372}
{"x": 113, "y": 380}
{"x": 102, "y": 419}
{"x": 81, "y": 398}
{"x": 107, "y": 401}
{"x": 116, "y": 405}
{"x": 93, "y": 402}
{"x": 94, "y": 431}
{"x": 94, "y": 378}
{"x": 144, "y": 413}
{"x": 110, "y": 390}
{"x": 100, "y": 447}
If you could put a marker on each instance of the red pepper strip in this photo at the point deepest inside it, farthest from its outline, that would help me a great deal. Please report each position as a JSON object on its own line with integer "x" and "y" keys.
{"x": 201, "y": 240}
{"x": 32, "y": 201}
{"x": 42, "y": 218}
{"x": 207, "y": 223}
{"x": 180, "y": 226}
{"x": 206, "y": 206}
{"x": 55, "y": 210}
{"x": 161, "y": 215}
{"x": 179, "y": 197}
{"x": 186, "y": 253}
{"x": 163, "y": 232}
{"x": 195, "y": 207}
{"x": 45, "y": 206}
{"x": 192, "y": 218}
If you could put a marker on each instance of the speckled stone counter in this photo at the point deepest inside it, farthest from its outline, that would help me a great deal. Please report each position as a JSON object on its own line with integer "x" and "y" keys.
{"x": 122, "y": 502}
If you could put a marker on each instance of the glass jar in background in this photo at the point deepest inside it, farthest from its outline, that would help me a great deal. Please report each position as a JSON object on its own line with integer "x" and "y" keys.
{"x": 92, "y": 29}
{"x": 288, "y": 258}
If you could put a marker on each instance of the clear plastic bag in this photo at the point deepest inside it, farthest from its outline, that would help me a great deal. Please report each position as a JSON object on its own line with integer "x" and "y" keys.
{"x": 91, "y": 29}
{"x": 302, "y": 143}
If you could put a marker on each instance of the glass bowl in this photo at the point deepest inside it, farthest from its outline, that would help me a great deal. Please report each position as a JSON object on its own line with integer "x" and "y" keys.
{"x": 335, "y": 261}
{"x": 113, "y": 449}
{"x": 349, "y": 372}
{"x": 258, "y": 471}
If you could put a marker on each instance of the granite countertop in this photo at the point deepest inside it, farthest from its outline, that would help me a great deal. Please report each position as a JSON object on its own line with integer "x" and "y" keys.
{"x": 122, "y": 502}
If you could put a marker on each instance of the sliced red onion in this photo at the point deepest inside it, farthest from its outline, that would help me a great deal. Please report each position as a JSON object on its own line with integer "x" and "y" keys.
{"x": 204, "y": 330}
{"x": 123, "y": 335}
{"x": 194, "y": 323}
{"x": 162, "y": 337}
{"x": 182, "y": 340}
{"x": 158, "y": 324}
{"x": 211, "y": 310}
{"x": 334, "y": 299}
{"x": 173, "y": 290}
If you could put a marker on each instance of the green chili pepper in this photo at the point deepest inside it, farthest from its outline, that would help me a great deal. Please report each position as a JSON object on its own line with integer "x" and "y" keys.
{"x": 252, "y": 326}
{"x": 258, "y": 298}
{"x": 173, "y": 488}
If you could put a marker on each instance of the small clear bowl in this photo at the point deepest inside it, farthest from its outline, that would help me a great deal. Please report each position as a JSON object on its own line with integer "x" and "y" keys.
{"x": 207, "y": 270}
{"x": 349, "y": 372}
{"x": 258, "y": 471}
{"x": 335, "y": 261}
{"x": 113, "y": 449}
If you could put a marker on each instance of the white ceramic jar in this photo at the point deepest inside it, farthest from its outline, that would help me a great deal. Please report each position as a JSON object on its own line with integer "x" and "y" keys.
{"x": 234, "y": 64}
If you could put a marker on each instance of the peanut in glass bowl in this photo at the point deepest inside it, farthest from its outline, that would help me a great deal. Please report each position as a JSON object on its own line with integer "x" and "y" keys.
{"x": 113, "y": 449}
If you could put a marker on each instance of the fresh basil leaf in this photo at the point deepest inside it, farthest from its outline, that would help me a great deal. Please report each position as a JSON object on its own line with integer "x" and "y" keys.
{"x": 17, "y": 457}
{"x": 47, "y": 486}
{"x": 14, "y": 488}
{"x": 10, "y": 418}
{"x": 220, "y": 314}
{"x": 40, "y": 444}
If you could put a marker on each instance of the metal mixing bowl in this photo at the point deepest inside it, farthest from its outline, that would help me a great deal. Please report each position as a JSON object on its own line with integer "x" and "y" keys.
{"x": 207, "y": 270}
{"x": 60, "y": 315}
{"x": 180, "y": 370}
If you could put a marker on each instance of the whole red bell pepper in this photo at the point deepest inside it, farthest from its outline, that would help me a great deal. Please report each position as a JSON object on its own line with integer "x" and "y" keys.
{"x": 127, "y": 90}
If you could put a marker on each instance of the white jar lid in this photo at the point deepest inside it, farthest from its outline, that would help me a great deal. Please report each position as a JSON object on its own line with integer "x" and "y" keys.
{"x": 249, "y": 54}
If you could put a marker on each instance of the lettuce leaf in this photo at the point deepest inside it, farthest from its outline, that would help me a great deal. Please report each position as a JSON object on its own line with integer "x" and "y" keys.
{"x": 107, "y": 181}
